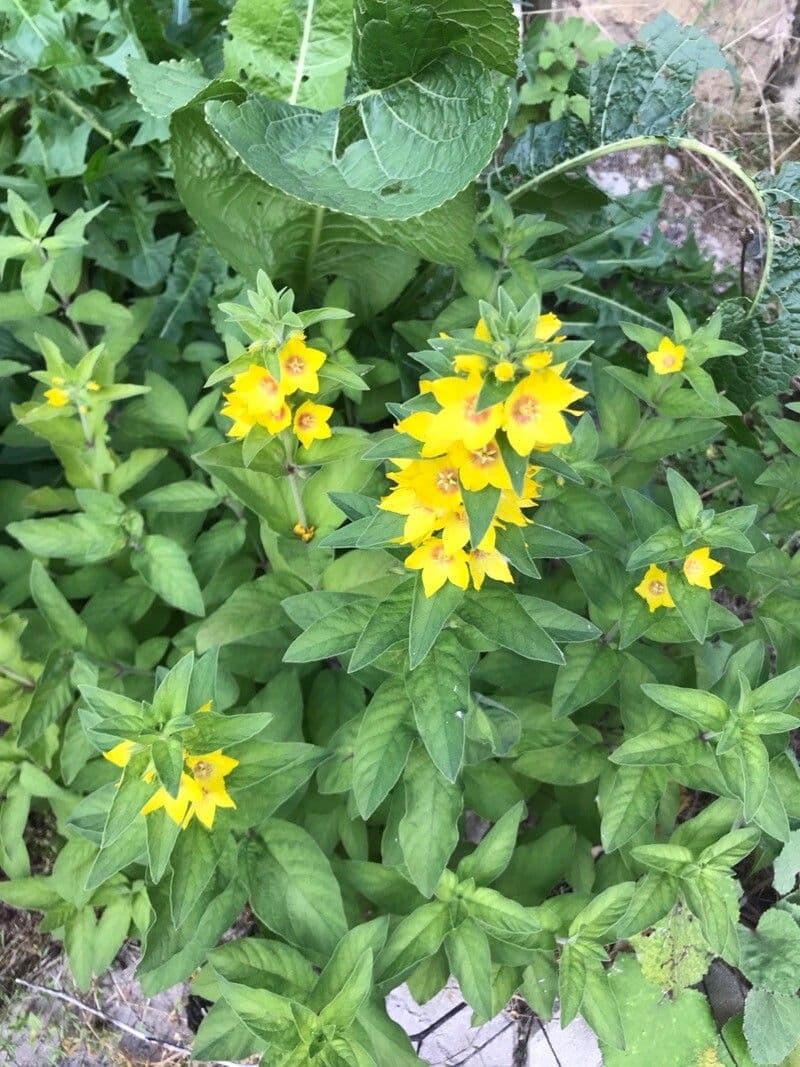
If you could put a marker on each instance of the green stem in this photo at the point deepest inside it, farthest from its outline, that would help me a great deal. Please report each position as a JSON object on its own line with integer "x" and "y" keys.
{"x": 688, "y": 144}
{"x": 294, "y": 485}
{"x": 87, "y": 116}
{"x": 22, "y": 680}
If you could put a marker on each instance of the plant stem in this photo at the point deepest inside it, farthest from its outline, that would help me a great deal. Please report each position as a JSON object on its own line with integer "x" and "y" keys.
{"x": 688, "y": 144}
{"x": 87, "y": 116}
{"x": 22, "y": 680}
{"x": 294, "y": 485}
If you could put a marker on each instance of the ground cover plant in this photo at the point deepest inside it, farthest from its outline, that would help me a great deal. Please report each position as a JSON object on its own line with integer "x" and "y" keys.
{"x": 400, "y": 533}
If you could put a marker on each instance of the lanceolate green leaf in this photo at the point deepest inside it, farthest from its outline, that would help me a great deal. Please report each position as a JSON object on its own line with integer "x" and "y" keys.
{"x": 439, "y": 692}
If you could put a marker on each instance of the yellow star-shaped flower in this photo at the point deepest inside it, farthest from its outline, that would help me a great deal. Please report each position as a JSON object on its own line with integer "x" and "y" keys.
{"x": 699, "y": 567}
{"x": 654, "y": 589}
{"x": 668, "y": 358}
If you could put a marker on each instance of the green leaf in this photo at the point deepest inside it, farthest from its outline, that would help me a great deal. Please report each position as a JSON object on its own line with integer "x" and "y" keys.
{"x": 392, "y": 151}
{"x": 502, "y": 919}
{"x": 416, "y": 938}
{"x": 291, "y": 51}
{"x": 382, "y": 746}
{"x": 165, "y": 567}
{"x": 293, "y": 890}
{"x": 694, "y": 605}
{"x": 181, "y": 498}
{"x": 428, "y": 830}
{"x": 600, "y": 1009}
{"x": 368, "y": 938}
{"x": 770, "y": 954}
{"x": 501, "y": 616}
{"x": 771, "y": 1025}
{"x": 495, "y": 849}
{"x": 162, "y": 88}
{"x": 429, "y": 614}
{"x": 342, "y": 1009}
{"x": 629, "y": 804}
{"x": 787, "y": 864}
{"x": 468, "y": 953}
{"x": 80, "y": 931}
{"x": 708, "y": 711}
{"x": 439, "y": 694}
{"x": 685, "y": 500}
{"x": 387, "y": 625}
{"x": 78, "y": 538}
{"x": 480, "y": 508}
{"x": 589, "y": 671}
{"x": 168, "y": 761}
{"x": 55, "y": 608}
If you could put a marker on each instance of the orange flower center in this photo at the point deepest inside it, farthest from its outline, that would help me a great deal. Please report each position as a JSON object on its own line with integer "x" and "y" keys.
{"x": 484, "y": 457}
{"x": 307, "y": 421}
{"x": 447, "y": 480}
{"x": 525, "y": 408}
{"x": 693, "y": 566}
{"x": 657, "y": 587}
{"x": 471, "y": 415}
{"x": 295, "y": 365}
{"x": 438, "y": 555}
{"x": 203, "y": 770}
{"x": 268, "y": 385}
{"x": 668, "y": 361}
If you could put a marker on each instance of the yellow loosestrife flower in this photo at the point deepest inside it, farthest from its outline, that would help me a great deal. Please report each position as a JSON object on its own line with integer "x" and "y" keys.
{"x": 256, "y": 399}
{"x": 200, "y": 793}
{"x": 668, "y": 358}
{"x": 299, "y": 366}
{"x": 311, "y": 422}
{"x": 532, "y": 415}
{"x": 460, "y": 452}
{"x": 654, "y": 589}
{"x": 699, "y": 567}
{"x": 438, "y": 566}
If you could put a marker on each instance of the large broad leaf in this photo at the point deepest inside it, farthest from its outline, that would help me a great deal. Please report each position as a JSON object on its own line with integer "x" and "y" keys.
{"x": 254, "y": 226}
{"x": 424, "y": 114}
{"x": 420, "y": 144}
{"x": 291, "y": 51}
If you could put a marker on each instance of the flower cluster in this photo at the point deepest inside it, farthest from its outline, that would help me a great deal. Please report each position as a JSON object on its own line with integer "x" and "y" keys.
{"x": 201, "y": 791}
{"x": 468, "y": 444}
{"x": 699, "y": 567}
{"x": 260, "y": 398}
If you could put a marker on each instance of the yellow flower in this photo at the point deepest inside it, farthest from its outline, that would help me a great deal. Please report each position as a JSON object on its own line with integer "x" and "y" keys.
{"x": 459, "y": 420}
{"x": 120, "y": 754}
{"x": 209, "y": 773}
{"x": 56, "y": 397}
{"x": 200, "y": 793}
{"x": 668, "y": 357}
{"x": 428, "y": 491}
{"x": 93, "y": 387}
{"x": 505, "y": 371}
{"x": 653, "y": 588}
{"x": 486, "y": 562}
{"x": 176, "y": 807}
{"x": 305, "y": 533}
{"x": 547, "y": 326}
{"x": 532, "y": 414}
{"x": 481, "y": 467}
{"x": 299, "y": 366}
{"x": 256, "y": 399}
{"x": 438, "y": 567}
{"x": 311, "y": 422}
{"x": 699, "y": 567}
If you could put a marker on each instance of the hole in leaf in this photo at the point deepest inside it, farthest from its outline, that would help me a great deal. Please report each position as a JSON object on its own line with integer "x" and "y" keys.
{"x": 350, "y": 129}
{"x": 392, "y": 188}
